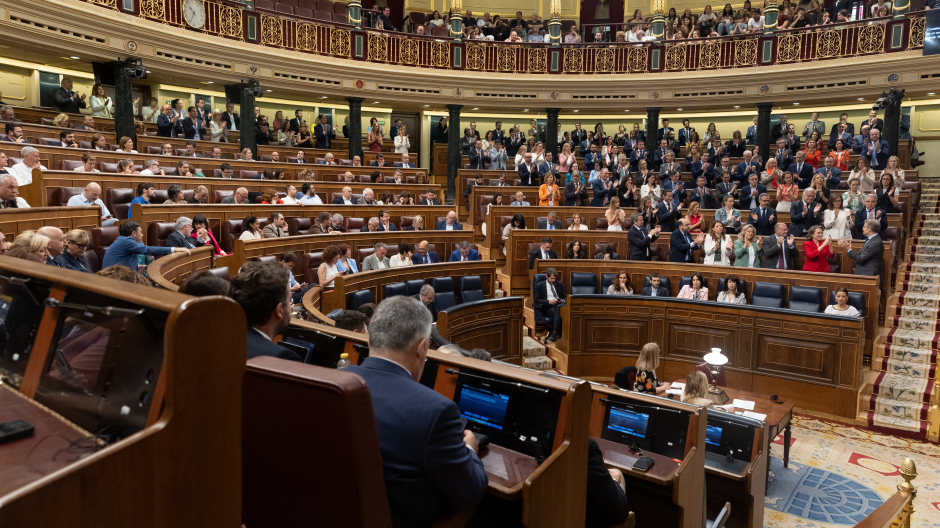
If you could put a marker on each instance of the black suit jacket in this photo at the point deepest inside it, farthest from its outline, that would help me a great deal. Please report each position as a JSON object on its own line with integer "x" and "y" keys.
{"x": 176, "y": 239}
{"x": 801, "y": 219}
{"x": 607, "y": 504}
{"x": 429, "y": 202}
{"x": 540, "y": 298}
{"x": 572, "y": 197}
{"x": 258, "y": 345}
{"x": 660, "y": 292}
{"x": 764, "y": 225}
{"x": 538, "y": 254}
{"x": 63, "y": 101}
{"x": 431, "y": 307}
{"x": 771, "y": 253}
{"x": 189, "y": 129}
{"x": 639, "y": 241}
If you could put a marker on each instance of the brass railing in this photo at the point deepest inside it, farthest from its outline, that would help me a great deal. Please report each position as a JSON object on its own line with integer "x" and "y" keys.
{"x": 270, "y": 29}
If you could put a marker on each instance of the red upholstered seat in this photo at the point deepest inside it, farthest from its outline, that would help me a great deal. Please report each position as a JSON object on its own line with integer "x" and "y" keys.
{"x": 157, "y": 233}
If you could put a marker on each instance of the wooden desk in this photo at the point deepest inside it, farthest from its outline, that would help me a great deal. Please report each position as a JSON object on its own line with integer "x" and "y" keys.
{"x": 494, "y": 325}
{"x": 15, "y": 221}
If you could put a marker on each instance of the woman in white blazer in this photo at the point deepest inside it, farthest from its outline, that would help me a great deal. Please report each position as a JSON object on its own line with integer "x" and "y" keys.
{"x": 718, "y": 246}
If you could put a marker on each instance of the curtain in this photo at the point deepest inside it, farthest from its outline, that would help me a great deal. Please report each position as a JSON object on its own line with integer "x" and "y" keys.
{"x": 616, "y": 11}
{"x": 587, "y": 14}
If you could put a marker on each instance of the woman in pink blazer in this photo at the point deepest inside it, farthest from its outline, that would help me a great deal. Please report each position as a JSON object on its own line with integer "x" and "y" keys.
{"x": 694, "y": 291}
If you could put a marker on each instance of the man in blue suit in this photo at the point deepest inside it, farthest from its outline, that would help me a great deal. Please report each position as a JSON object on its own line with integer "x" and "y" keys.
{"x": 324, "y": 133}
{"x": 805, "y": 214}
{"x": 385, "y": 222}
{"x": 667, "y": 212}
{"x": 429, "y": 461}
{"x": 449, "y": 224}
{"x": 477, "y": 156}
{"x": 603, "y": 189}
{"x": 405, "y": 162}
{"x": 747, "y": 167}
{"x": 380, "y": 161}
{"x": 261, "y": 290}
{"x": 590, "y": 159}
{"x": 685, "y": 133}
{"x": 639, "y": 153}
{"x": 168, "y": 124}
{"x": 861, "y": 139}
{"x": 832, "y": 174}
{"x": 763, "y": 218}
{"x": 869, "y": 212}
{"x": 876, "y": 150}
{"x": 681, "y": 244}
{"x": 802, "y": 171}
{"x": 750, "y": 137}
{"x": 464, "y": 253}
{"x": 424, "y": 255}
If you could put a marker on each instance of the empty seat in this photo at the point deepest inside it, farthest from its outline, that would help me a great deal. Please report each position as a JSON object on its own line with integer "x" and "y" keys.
{"x": 231, "y": 230}
{"x": 303, "y": 12}
{"x": 266, "y": 5}
{"x": 310, "y": 264}
{"x": 339, "y": 18}
{"x": 767, "y": 294}
{"x": 284, "y": 8}
{"x": 471, "y": 289}
{"x": 102, "y": 238}
{"x": 663, "y": 281}
{"x": 353, "y": 225}
{"x": 413, "y": 287}
{"x": 70, "y": 165}
{"x": 444, "y": 296}
{"x": 248, "y": 174}
{"x": 583, "y": 283}
{"x": 440, "y": 31}
{"x": 606, "y": 280}
{"x": 91, "y": 258}
{"x": 805, "y": 299}
{"x": 856, "y": 299}
{"x": 393, "y": 290}
{"x": 357, "y": 298}
{"x": 299, "y": 226}
{"x": 265, "y": 258}
{"x": 325, "y": 16}
{"x": 222, "y": 273}
{"x": 217, "y": 195}
{"x": 119, "y": 202}
{"x": 157, "y": 233}
{"x": 339, "y": 7}
{"x": 64, "y": 194}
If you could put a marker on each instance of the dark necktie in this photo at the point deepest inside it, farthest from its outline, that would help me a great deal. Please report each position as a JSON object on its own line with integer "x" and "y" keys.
{"x": 782, "y": 261}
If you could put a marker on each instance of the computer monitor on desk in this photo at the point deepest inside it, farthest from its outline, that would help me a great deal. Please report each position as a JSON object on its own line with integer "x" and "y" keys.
{"x": 320, "y": 348}
{"x": 650, "y": 427}
{"x": 729, "y": 441}
{"x": 21, "y": 309}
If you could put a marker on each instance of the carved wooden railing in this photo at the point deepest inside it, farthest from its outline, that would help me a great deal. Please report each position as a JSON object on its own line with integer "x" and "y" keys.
{"x": 869, "y": 37}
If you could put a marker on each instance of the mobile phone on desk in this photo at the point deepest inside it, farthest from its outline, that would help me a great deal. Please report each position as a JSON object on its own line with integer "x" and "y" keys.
{"x": 643, "y": 464}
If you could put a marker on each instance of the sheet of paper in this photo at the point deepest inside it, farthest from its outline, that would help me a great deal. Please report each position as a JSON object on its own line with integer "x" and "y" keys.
{"x": 743, "y": 404}
{"x": 674, "y": 391}
{"x": 679, "y": 386}
{"x": 756, "y": 416}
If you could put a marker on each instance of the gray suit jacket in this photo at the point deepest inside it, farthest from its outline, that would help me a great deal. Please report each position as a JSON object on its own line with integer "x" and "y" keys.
{"x": 543, "y": 224}
{"x": 228, "y": 199}
{"x": 372, "y": 262}
{"x": 870, "y": 259}
{"x": 808, "y": 128}
{"x": 270, "y": 231}
{"x": 497, "y": 159}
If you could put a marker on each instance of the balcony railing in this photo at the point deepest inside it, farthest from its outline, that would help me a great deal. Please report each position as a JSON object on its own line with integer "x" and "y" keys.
{"x": 230, "y": 20}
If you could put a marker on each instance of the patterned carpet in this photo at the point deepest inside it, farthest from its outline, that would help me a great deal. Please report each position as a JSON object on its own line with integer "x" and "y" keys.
{"x": 907, "y": 359}
{"x": 838, "y": 473}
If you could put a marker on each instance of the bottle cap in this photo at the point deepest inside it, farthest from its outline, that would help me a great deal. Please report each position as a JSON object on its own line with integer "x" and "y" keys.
{"x": 344, "y": 356}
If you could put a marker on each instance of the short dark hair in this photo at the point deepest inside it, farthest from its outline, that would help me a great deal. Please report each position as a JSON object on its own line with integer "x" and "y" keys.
{"x": 351, "y": 320}
{"x": 10, "y": 126}
{"x": 546, "y": 240}
{"x": 200, "y": 219}
{"x": 64, "y": 133}
{"x": 143, "y": 186}
{"x": 287, "y": 256}
{"x": 128, "y": 228}
{"x": 305, "y": 187}
{"x": 123, "y": 273}
{"x": 323, "y": 217}
{"x": 190, "y": 109}
{"x": 259, "y": 288}
{"x": 203, "y": 284}
{"x": 225, "y": 167}
{"x": 173, "y": 191}
{"x": 368, "y": 309}
{"x": 274, "y": 217}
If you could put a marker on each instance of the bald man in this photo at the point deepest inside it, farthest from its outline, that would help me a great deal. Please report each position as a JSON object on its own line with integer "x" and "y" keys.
{"x": 240, "y": 197}
{"x": 346, "y": 198}
{"x": 56, "y": 243}
{"x": 92, "y": 196}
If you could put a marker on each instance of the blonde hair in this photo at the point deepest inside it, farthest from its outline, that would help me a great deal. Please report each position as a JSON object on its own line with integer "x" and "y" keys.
{"x": 61, "y": 120}
{"x": 418, "y": 219}
{"x": 30, "y": 241}
{"x": 743, "y": 233}
{"x": 696, "y": 386}
{"x": 78, "y": 236}
{"x": 649, "y": 358}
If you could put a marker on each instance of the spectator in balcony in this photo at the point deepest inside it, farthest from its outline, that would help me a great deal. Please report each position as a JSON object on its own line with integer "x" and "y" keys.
{"x": 801, "y": 19}
{"x": 384, "y": 18}
{"x": 572, "y": 37}
{"x": 436, "y": 19}
{"x": 880, "y": 5}
{"x": 514, "y": 37}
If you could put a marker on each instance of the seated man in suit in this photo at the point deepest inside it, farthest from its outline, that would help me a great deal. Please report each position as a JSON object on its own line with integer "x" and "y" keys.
{"x": 276, "y": 228}
{"x": 832, "y": 174}
{"x": 870, "y": 212}
{"x": 464, "y": 253}
{"x": 779, "y": 250}
{"x": 543, "y": 252}
{"x": 870, "y": 259}
{"x": 14, "y": 133}
{"x": 547, "y": 300}
{"x": 429, "y": 461}
{"x": 805, "y": 213}
{"x": 380, "y": 161}
{"x": 346, "y": 198}
{"x": 426, "y": 296}
{"x": 763, "y": 217}
{"x": 66, "y": 139}
{"x": 702, "y": 194}
{"x": 655, "y": 288}
{"x": 550, "y": 222}
{"x": 424, "y": 255}
{"x": 681, "y": 244}
{"x": 478, "y": 180}
{"x": 377, "y": 260}
{"x": 639, "y": 238}
{"x": 802, "y": 171}
{"x": 261, "y": 290}
{"x": 181, "y": 237}
{"x": 430, "y": 198}
{"x": 385, "y": 221}
{"x": 519, "y": 200}
{"x": 668, "y": 213}
{"x": 322, "y": 226}
{"x": 405, "y": 162}
{"x": 368, "y": 197}
{"x": 750, "y": 194}
{"x": 449, "y": 224}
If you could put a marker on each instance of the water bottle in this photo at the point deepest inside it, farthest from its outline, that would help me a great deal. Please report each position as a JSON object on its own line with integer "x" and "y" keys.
{"x": 343, "y": 361}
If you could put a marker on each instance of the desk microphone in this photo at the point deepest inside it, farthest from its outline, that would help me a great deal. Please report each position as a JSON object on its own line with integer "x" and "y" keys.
{"x": 776, "y": 399}
{"x": 494, "y": 380}
{"x": 730, "y": 456}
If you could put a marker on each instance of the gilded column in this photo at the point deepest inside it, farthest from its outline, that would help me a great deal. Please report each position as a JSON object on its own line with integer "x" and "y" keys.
{"x": 770, "y": 18}
{"x": 659, "y": 21}
{"x": 354, "y": 13}
{"x": 456, "y": 20}
{"x": 554, "y": 25}
{"x": 901, "y": 8}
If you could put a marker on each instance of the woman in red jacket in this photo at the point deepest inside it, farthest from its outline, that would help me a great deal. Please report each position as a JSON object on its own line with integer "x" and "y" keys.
{"x": 817, "y": 250}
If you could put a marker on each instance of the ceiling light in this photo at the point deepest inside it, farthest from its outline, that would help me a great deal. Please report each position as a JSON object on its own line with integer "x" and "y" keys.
{"x": 930, "y": 93}
{"x": 269, "y": 90}
{"x": 148, "y": 71}
{"x": 323, "y": 97}
{"x": 678, "y": 109}
{"x": 375, "y": 102}
{"x": 427, "y": 105}
{"x": 796, "y": 103}
{"x": 74, "y": 57}
{"x": 861, "y": 98}
{"x": 210, "y": 82}
{"x": 476, "y": 108}
{"x": 627, "y": 110}
{"x": 525, "y": 110}
{"x": 577, "y": 110}
{"x": 737, "y": 106}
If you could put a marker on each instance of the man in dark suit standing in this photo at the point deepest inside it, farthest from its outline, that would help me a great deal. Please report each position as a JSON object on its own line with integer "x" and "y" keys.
{"x": 168, "y": 124}
{"x": 65, "y": 100}
{"x": 192, "y": 128}
{"x": 870, "y": 259}
{"x": 874, "y": 122}
{"x": 429, "y": 461}
{"x": 779, "y": 250}
{"x": 875, "y": 150}
{"x": 664, "y": 131}
{"x": 639, "y": 239}
{"x": 477, "y": 156}
{"x": 781, "y": 129}
{"x": 681, "y": 244}
{"x": 802, "y": 171}
{"x": 751, "y": 193}
{"x": 575, "y": 191}
{"x": 685, "y": 133}
{"x": 261, "y": 290}
{"x": 639, "y": 153}
{"x": 834, "y": 131}
{"x": 763, "y": 217}
{"x": 528, "y": 172}
{"x": 325, "y": 134}
{"x": 702, "y": 194}
{"x": 547, "y": 300}
{"x": 543, "y": 252}
{"x": 783, "y": 155}
{"x": 667, "y": 213}
{"x": 230, "y": 117}
{"x": 499, "y": 134}
{"x": 424, "y": 255}
{"x": 805, "y": 213}
{"x": 297, "y": 121}
{"x": 655, "y": 288}
{"x": 578, "y": 134}
{"x": 870, "y": 212}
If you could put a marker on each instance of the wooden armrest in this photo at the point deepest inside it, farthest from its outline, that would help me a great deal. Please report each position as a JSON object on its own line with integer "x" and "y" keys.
{"x": 457, "y": 520}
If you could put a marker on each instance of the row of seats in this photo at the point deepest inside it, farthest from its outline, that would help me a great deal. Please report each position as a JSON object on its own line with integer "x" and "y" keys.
{"x": 469, "y": 289}
{"x": 335, "y": 13}
{"x": 302, "y": 226}
{"x": 765, "y": 294}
